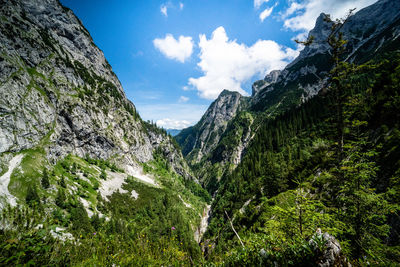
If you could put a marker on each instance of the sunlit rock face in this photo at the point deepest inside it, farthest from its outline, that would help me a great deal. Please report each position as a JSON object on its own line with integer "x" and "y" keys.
{"x": 58, "y": 92}
{"x": 202, "y": 138}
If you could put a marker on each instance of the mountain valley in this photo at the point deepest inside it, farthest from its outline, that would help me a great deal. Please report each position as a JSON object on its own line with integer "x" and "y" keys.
{"x": 304, "y": 172}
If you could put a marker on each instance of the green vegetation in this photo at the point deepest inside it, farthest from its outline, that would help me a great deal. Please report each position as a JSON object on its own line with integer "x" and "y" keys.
{"x": 28, "y": 173}
{"x": 326, "y": 165}
{"x": 296, "y": 184}
{"x": 154, "y": 228}
{"x": 289, "y": 183}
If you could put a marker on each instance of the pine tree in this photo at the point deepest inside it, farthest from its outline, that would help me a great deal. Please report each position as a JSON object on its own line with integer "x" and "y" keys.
{"x": 60, "y": 198}
{"x": 364, "y": 210}
{"x": 32, "y": 197}
{"x": 62, "y": 182}
{"x": 45, "y": 179}
{"x": 103, "y": 175}
{"x": 338, "y": 77}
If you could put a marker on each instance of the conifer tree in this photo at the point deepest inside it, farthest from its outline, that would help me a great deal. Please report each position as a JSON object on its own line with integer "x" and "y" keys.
{"x": 62, "y": 182}
{"x": 338, "y": 76}
{"x": 60, "y": 198}
{"x": 45, "y": 179}
{"x": 32, "y": 197}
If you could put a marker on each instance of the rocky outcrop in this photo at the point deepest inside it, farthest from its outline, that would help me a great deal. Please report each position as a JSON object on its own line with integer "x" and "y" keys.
{"x": 271, "y": 78}
{"x": 360, "y": 28}
{"x": 328, "y": 249}
{"x": 198, "y": 141}
{"x": 58, "y": 92}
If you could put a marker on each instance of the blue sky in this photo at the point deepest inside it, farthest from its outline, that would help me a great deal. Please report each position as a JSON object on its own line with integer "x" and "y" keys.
{"x": 174, "y": 57}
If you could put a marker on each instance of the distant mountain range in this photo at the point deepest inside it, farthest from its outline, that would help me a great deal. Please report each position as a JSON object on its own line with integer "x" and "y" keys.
{"x": 173, "y": 132}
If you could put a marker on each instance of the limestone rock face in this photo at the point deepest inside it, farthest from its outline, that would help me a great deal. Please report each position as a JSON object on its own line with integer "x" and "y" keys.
{"x": 271, "y": 78}
{"x": 58, "y": 92}
{"x": 202, "y": 138}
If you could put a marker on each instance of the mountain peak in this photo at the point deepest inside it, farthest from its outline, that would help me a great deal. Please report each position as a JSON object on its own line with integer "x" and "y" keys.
{"x": 207, "y": 132}
{"x": 228, "y": 92}
{"x": 269, "y": 79}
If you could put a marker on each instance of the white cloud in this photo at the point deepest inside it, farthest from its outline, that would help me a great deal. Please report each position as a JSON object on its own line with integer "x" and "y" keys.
{"x": 294, "y": 6}
{"x": 183, "y": 99}
{"x": 172, "y": 124}
{"x": 227, "y": 64}
{"x": 179, "y": 50}
{"x": 258, "y": 3}
{"x": 184, "y": 113}
{"x": 169, "y": 5}
{"x": 164, "y": 10}
{"x": 266, "y": 13}
{"x": 301, "y": 15}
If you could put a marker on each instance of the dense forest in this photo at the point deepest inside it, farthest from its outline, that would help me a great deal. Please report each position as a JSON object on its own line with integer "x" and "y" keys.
{"x": 297, "y": 176}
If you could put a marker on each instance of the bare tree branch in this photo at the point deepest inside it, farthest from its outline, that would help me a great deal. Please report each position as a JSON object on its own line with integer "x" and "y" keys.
{"x": 234, "y": 228}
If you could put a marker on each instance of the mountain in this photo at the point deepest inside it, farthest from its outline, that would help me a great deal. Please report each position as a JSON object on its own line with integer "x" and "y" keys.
{"x": 58, "y": 90}
{"x": 73, "y": 150}
{"x": 296, "y": 196}
{"x": 84, "y": 181}
{"x": 370, "y": 33}
{"x": 201, "y": 144}
{"x": 173, "y": 132}
{"x": 200, "y": 139}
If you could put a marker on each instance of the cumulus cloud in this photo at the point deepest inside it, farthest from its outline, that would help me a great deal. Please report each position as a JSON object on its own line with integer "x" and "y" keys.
{"x": 172, "y": 124}
{"x": 164, "y": 10}
{"x": 266, "y": 13}
{"x": 301, "y": 15}
{"x": 183, "y": 99}
{"x": 258, "y": 3}
{"x": 171, "y": 116}
{"x": 179, "y": 50}
{"x": 227, "y": 64}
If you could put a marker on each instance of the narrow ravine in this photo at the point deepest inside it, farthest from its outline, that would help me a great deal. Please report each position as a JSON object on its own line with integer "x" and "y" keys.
{"x": 203, "y": 224}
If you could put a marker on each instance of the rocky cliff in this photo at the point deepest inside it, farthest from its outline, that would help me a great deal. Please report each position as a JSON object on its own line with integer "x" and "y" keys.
{"x": 60, "y": 97}
{"x": 57, "y": 91}
{"x": 215, "y": 145}
{"x": 199, "y": 140}
{"x": 73, "y": 147}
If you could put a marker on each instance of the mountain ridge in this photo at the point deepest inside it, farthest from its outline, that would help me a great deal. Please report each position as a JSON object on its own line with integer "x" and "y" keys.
{"x": 306, "y": 75}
